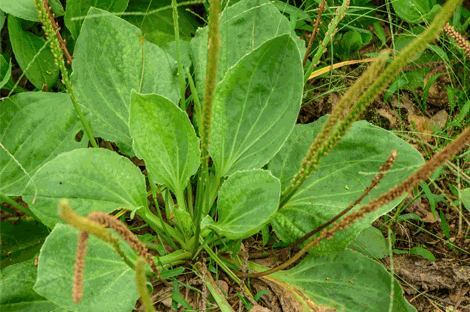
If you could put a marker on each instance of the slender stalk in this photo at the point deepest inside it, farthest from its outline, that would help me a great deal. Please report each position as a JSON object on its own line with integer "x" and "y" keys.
{"x": 165, "y": 227}
{"x": 330, "y": 33}
{"x": 321, "y": 146}
{"x": 375, "y": 181}
{"x": 197, "y": 104}
{"x": 155, "y": 223}
{"x": 211, "y": 74}
{"x": 387, "y": 76}
{"x": 320, "y": 10}
{"x": 44, "y": 13}
{"x": 174, "y": 6}
{"x": 414, "y": 180}
{"x": 326, "y": 144}
{"x": 19, "y": 207}
{"x": 140, "y": 281}
{"x": 160, "y": 9}
{"x": 90, "y": 226}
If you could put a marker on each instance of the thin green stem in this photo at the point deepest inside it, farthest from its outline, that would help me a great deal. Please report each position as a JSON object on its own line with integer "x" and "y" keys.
{"x": 327, "y": 143}
{"x": 321, "y": 146}
{"x": 165, "y": 230}
{"x": 140, "y": 281}
{"x": 174, "y": 6}
{"x": 59, "y": 59}
{"x": 330, "y": 33}
{"x": 197, "y": 104}
{"x": 211, "y": 74}
{"x": 19, "y": 207}
{"x": 224, "y": 267}
{"x": 155, "y": 223}
{"x": 164, "y": 8}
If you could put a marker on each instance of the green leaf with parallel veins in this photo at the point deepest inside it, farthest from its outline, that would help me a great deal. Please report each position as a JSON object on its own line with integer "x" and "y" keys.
{"x": 42, "y": 70}
{"x": 34, "y": 127}
{"x": 340, "y": 178}
{"x": 21, "y": 241}
{"x": 25, "y": 9}
{"x": 247, "y": 202}
{"x": 16, "y": 290}
{"x": 370, "y": 242}
{"x": 416, "y": 11}
{"x": 5, "y": 69}
{"x": 108, "y": 64}
{"x": 244, "y": 26}
{"x": 93, "y": 180}
{"x": 79, "y": 8}
{"x": 347, "y": 281}
{"x": 108, "y": 282}
{"x": 255, "y": 107}
{"x": 158, "y": 26}
{"x": 165, "y": 139}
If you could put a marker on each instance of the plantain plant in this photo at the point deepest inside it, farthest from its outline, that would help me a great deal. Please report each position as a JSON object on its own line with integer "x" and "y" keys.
{"x": 241, "y": 165}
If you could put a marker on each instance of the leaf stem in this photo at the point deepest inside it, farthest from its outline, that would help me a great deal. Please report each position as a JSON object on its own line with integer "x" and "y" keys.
{"x": 166, "y": 229}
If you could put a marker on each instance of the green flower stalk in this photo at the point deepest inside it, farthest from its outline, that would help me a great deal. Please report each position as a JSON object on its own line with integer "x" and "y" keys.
{"x": 140, "y": 281}
{"x": 330, "y": 33}
{"x": 178, "y": 53}
{"x": 44, "y": 12}
{"x": 388, "y": 75}
{"x": 318, "y": 149}
{"x": 211, "y": 75}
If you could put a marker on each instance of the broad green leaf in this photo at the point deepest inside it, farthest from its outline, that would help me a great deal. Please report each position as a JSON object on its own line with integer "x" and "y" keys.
{"x": 370, "y": 242}
{"x": 25, "y": 9}
{"x": 350, "y": 44}
{"x": 348, "y": 281}
{"x": 158, "y": 26}
{"x": 108, "y": 64}
{"x": 93, "y": 179}
{"x": 2, "y": 19}
{"x": 170, "y": 49}
{"x": 164, "y": 137}
{"x": 16, "y": 290}
{"x": 416, "y": 77}
{"x": 247, "y": 202}
{"x": 340, "y": 178}
{"x": 416, "y": 11}
{"x": 407, "y": 38}
{"x": 255, "y": 107}
{"x": 423, "y": 252}
{"x": 108, "y": 282}
{"x": 21, "y": 241}
{"x": 244, "y": 26}
{"x": 380, "y": 33}
{"x": 291, "y": 10}
{"x": 466, "y": 198}
{"x": 360, "y": 14}
{"x": 79, "y": 8}
{"x": 5, "y": 71}
{"x": 35, "y": 127}
{"x": 41, "y": 70}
